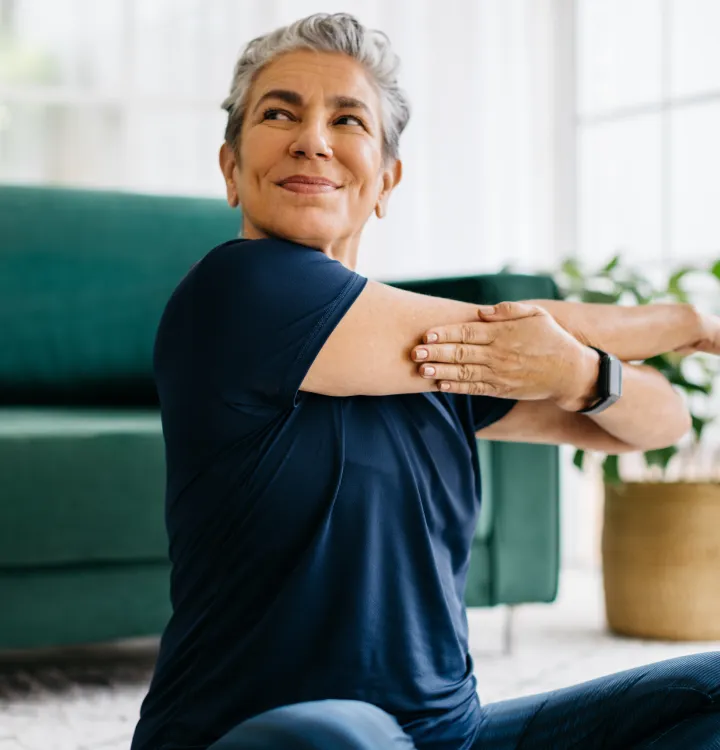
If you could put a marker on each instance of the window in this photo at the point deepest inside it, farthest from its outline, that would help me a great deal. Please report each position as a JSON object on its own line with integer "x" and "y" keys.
{"x": 118, "y": 94}
{"x": 647, "y": 117}
{"x": 646, "y": 101}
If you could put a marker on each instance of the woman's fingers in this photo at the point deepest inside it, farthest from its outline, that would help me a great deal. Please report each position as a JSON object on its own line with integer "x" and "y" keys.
{"x": 474, "y": 388}
{"x": 479, "y": 333}
{"x": 451, "y": 353}
{"x": 509, "y": 311}
{"x": 460, "y": 333}
{"x": 528, "y": 356}
{"x": 458, "y": 373}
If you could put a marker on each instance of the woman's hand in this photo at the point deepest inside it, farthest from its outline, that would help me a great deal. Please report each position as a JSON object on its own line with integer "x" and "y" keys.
{"x": 709, "y": 342}
{"x": 519, "y": 352}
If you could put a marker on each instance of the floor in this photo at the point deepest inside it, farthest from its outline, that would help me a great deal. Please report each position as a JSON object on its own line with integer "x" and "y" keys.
{"x": 88, "y": 698}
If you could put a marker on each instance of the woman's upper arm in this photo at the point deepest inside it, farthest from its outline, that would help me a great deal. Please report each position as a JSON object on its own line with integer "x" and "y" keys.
{"x": 545, "y": 422}
{"x": 268, "y": 317}
{"x": 368, "y": 353}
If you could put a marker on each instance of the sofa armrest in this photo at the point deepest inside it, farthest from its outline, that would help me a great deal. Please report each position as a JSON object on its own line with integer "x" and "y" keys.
{"x": 523, "y": 522}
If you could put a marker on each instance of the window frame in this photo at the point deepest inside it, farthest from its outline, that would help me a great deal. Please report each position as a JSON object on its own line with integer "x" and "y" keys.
{"x": 571, "y": 163}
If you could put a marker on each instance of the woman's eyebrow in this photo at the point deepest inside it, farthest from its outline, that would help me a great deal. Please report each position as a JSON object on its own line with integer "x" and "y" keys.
{"x": 292, "y": 97}
{"x": 349, "y": 102}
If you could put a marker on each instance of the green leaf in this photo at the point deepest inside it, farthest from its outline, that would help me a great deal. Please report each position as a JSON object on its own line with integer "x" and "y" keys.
{"x": 579, "y": 458}
{"x": 674, "y": 288}
{"x": 602, "y": 297}
{"x": 677, "y": 277}
{"x": 663, "y": 365}
{"x": 642, "y": 295}
{"x": 688, "y": 385}
{"x": 698, "y": 425}
{"x": 715, "y": 269}
{"x": 660, "y": 457}
{"x": 611, "y": 265}
{"x": 673, "y": 372}
{"x": 640, "y": 298}
{"x": 571, "y": 267}
{"x": 611, "y": 470}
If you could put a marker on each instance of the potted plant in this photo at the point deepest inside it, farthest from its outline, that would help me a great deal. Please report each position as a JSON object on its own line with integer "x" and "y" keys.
{"x": 661, "y": 525}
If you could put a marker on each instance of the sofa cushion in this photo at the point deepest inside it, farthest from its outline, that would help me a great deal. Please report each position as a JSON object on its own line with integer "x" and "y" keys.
{"x": 61, "y": 606}
{"x": 85, "y": 277}
{"x": 81, "y": 487}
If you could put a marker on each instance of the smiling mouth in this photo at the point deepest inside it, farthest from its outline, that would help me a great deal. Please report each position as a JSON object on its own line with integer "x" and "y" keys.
{"x": 307, "y": 187}
{"x": 300, "y": 183}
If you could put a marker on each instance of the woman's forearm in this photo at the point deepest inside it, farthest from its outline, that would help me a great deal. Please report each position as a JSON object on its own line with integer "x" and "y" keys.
{"x": 630, "y": 333}
{"x": 646, "y": 392}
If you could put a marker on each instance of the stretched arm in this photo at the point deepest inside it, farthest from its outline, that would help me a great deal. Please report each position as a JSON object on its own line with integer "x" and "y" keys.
{"x": 368, "y": 353}
{"x": 649, "y": 415}
{"x": 630, "y": 333}
{"x": 529, "y": 357}
{"x": 484, "y": 359}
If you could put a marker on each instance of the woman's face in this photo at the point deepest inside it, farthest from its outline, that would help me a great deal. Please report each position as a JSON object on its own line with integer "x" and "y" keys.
{"x": 310, "y": 115}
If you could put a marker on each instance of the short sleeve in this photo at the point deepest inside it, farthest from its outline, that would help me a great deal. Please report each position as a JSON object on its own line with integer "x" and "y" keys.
{"x": 262, "y": 311}
{"x": 486, "y": 410}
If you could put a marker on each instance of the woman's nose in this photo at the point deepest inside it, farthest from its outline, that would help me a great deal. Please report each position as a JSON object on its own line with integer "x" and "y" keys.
{"x": 312, "y": 142}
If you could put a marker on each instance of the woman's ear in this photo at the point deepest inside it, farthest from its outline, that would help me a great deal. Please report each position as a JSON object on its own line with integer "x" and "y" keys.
{"x": 227, "y": 166}
{"x": 391, "y": 175}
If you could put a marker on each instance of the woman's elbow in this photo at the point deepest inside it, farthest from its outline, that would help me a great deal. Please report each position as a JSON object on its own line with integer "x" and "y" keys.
{"x": 669, "y": 431}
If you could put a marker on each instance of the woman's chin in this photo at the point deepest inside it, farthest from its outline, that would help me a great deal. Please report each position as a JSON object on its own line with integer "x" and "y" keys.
{"x": 314, "y": 233}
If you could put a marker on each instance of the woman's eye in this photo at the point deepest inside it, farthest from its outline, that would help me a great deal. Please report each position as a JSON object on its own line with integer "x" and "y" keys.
{"x": 276, "y": 114}
{"x": 357, "y": 120}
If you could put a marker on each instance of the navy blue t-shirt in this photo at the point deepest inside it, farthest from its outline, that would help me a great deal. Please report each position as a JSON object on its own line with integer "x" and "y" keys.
{"x": 319, "y": 544}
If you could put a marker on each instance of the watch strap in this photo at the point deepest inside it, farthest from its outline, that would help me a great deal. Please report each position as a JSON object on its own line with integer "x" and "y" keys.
{"x": 608, "y": 390}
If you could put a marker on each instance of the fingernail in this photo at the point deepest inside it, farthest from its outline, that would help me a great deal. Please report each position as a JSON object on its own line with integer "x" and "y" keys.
{"x": 486, "y": 309}
{"x": 421, "y": 354}
{"x": 431, "y": 337}
{"x": 428, "y": 371}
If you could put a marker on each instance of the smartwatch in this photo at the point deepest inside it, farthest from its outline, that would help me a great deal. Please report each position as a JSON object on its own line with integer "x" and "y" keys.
{"x": 609, "y": 383}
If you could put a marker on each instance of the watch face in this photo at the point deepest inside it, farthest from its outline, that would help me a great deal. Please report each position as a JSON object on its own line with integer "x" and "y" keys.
{"x": 609, "y": 382}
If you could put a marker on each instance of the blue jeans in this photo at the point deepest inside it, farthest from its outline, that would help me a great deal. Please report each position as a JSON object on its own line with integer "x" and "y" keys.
{"x": 672, "y": 704}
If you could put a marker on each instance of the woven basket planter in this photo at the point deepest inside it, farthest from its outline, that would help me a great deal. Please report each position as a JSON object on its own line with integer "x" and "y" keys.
{"x": 661, "y": 560}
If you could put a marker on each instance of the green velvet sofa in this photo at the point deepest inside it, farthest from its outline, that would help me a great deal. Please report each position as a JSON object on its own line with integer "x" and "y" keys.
{"x": 84, "y": 277}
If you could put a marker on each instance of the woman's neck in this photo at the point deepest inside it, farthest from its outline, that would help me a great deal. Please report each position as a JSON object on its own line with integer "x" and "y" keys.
{"x": 344, "y": 249}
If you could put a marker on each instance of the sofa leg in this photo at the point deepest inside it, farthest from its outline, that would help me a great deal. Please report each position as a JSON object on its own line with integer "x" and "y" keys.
{"x": 508, "y": 630}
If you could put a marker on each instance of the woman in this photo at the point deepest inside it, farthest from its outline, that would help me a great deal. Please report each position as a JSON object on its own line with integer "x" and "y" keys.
{"x": 321, "y": 494}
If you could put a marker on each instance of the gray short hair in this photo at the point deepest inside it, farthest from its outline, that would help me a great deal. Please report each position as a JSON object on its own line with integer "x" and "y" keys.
{"x": 324, "y": 32}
